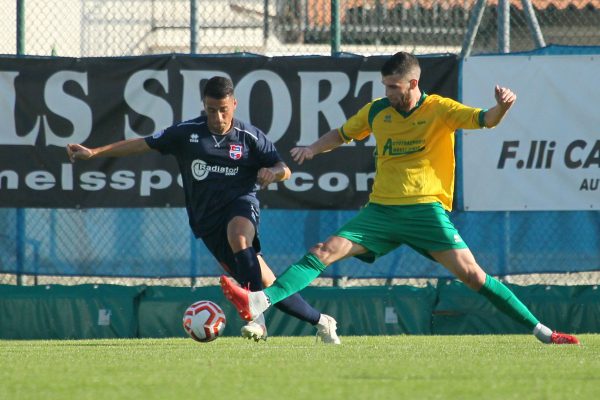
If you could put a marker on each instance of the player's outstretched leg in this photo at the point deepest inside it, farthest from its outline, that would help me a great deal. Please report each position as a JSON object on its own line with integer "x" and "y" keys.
{"x": 249, "y": 305}
{"x": 506, "y": 301}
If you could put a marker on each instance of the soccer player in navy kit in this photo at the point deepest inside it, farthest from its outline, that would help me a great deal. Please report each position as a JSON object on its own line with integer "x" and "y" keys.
{"x": 223, "y": 162}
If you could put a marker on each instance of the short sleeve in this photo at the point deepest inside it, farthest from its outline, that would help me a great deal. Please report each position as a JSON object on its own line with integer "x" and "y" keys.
{"x": 459, "y": 116}
{"x": 267, "y": 153}
{"x": 165, "y": 141}
{"x": 357, "y": 127}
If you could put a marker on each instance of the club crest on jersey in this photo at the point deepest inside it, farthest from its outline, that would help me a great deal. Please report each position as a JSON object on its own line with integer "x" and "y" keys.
{"x": 235, "y": 151}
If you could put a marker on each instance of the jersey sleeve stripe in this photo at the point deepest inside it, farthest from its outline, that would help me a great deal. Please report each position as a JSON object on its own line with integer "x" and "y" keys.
{"x": 190, "y": 123}
{"x": 250, "y": 134}
{"x": 482, "y": 118}
{"x": 345, "y": 138}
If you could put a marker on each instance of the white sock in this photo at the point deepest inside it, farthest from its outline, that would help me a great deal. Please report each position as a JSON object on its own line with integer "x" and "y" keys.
{"x": 260, "y": 320}
{"x": 543, "y": 333}
{"x": 322, "y": 320}
{"x": 258, "y": 302}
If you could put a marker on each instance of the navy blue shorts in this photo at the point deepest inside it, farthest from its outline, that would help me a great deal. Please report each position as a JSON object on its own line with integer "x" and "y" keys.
{"x": 216, "y": 242}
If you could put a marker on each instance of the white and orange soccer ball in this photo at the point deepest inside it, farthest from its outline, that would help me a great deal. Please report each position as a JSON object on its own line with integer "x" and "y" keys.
{"x": 204, "y": 321}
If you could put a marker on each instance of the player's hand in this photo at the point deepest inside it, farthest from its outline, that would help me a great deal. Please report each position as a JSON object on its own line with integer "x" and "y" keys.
{"x": 505, "y": 98}
{"x": 78, "y": 152}
{"x": 301, "y": 154}
{"x": 265, "y": 177}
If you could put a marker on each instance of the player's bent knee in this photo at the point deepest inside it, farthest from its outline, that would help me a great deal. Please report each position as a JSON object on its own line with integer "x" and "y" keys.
{"x": 316, "y": 248}
{"x": 327, "y": 252}
{"x": 320, "y": 251}
{"x": 238, "y": 241}
{"x": 323, "y": 253}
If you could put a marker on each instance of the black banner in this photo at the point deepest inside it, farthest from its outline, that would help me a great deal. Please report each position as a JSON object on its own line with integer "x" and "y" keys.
{"x": 47, "y": 103}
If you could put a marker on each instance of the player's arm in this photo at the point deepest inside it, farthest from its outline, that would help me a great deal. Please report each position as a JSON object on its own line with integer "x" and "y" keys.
{"x": 118, "y": 149}
{"x": 329, "y": 141}
{"x": 277, "y": 173}
{"x": 505, "y": 98}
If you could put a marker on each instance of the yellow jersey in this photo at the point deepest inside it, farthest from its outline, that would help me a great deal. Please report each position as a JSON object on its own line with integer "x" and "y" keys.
{"x": 415, "y": 150}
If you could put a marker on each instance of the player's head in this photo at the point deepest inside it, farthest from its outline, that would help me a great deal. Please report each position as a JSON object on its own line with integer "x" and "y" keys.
{"x": 219, "y": 103}
{"x": 400, "y": 75}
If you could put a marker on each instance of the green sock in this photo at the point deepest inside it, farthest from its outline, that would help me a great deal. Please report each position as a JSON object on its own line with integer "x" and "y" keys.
{"x": 507, "y": 302}
{"x": 295, "y": 278}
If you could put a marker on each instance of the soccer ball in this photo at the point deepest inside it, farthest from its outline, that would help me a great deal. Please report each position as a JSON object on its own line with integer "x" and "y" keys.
{"x": 204, "y": 321}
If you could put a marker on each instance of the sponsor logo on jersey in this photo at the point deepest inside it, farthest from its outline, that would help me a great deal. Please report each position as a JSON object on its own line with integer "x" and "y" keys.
{"x": 235, "y": 151}
{"x": 194, "y": 138}
{"x": 403, "y": 147}
{"x": 200, "y": 170}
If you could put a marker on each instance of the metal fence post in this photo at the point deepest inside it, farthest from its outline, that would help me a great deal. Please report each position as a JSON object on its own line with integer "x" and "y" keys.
{"x": 505, "y": 260}
{"x": 20, "y": 224}
{"x": 503, "y": 26}
{"x": 335, "y": 27}
{"x": 474, "y": 22}
{"x": 265, "y": 22}
{"x": 193, "y": 27}
{"x": 533, "y": 23}
{"x": 193, "y": 260}
{"x": 20, "y": 27}
{"x": 20, "y": 245}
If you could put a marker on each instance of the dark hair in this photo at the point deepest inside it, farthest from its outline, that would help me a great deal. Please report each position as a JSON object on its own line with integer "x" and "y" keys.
{"x": 400, "y": 63}
{"x": 218, "y": 87}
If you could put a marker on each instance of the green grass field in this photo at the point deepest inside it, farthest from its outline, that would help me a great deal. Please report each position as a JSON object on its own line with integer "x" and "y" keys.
{"x": 373, "y": 367}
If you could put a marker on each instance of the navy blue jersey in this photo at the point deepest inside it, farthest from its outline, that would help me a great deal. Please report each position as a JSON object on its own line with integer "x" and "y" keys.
{"x": 215, "y": 169}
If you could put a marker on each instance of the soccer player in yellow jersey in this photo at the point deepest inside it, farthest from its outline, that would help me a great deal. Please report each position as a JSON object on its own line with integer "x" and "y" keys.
{"x": 411, "y": 194}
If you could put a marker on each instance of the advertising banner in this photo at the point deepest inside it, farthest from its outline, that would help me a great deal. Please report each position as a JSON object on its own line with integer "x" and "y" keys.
{"x": 545, "y": 154}
{"x": 47, "y": 103}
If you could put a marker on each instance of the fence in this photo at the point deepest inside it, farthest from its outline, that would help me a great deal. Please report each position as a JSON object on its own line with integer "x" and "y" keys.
{"x": 90, "y": 28}
{"x": 72, "y": 246}
{"x": 156, "y": 244}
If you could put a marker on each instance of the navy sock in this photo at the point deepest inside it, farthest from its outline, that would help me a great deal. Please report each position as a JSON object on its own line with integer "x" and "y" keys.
{"x": 247, "y": 269}
{"x": 296, "y": 306}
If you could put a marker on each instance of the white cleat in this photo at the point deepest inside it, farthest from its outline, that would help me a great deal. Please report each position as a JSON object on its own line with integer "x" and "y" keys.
{"x": 255, "y": 329}
{"x": 326, "y": 330}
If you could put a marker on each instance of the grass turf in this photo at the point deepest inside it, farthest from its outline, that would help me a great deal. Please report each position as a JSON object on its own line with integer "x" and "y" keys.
{"x": 286, "y": 368}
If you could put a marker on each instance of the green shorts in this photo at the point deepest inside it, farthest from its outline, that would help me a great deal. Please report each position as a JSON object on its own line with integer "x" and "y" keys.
{"x": 381, "y": 229}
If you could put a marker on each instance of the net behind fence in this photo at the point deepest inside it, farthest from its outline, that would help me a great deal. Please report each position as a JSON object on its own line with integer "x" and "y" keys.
{"x": 156, "y": 243}
{"x": 84, "y": 28}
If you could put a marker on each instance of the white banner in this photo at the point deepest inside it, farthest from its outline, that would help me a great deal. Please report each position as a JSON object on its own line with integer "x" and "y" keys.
{"x": 545, "y": 154}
